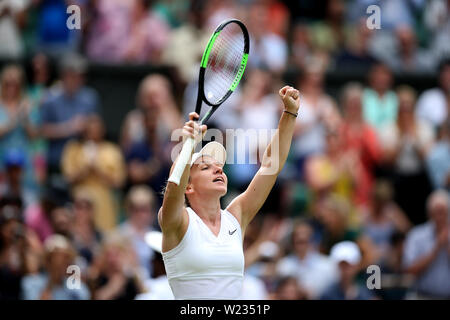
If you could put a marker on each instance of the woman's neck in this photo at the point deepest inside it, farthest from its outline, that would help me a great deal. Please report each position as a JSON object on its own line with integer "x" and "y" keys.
{"x": 207, "y": 209}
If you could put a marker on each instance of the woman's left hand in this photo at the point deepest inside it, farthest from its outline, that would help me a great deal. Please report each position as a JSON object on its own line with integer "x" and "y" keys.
{"x": 290, "y": 98}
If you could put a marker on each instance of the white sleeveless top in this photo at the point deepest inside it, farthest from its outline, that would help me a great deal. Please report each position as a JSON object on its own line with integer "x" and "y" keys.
{"x": 203, "y": 266}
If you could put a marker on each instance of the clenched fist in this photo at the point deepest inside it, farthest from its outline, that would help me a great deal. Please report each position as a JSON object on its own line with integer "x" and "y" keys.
{"x": 291, "y": 98}
{"x": 192, "y": 130}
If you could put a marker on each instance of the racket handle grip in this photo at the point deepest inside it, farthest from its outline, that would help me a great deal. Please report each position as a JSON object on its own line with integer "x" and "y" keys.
{"x": 182, "y": 161}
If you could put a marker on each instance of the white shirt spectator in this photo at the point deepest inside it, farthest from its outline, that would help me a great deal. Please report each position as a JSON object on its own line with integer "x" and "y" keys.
{"x": 312, "y": 120}
{"x": 408, "y": 159}
{"x": 11, "y": 43}
{"x": 253, "y": 288}
{"x": 157, "y": 289}
{"x": 435, "y": 280}
{"x": 315, "y": 272}
{"x": 432, "y": 107}
{"x": 271, "y": 50}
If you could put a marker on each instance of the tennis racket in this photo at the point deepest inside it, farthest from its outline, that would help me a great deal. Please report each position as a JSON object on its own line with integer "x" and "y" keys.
{"x": 221, "y": 69}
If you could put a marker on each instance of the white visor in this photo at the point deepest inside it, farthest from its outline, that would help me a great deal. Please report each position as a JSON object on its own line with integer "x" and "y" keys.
{"x": 212, "y": 149}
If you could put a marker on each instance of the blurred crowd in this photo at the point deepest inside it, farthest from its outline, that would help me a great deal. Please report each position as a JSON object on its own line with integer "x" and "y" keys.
{"x": 366, "y": 183}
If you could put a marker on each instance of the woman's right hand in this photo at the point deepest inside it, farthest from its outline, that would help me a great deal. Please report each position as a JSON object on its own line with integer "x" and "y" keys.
{"x": 192, "y": 129}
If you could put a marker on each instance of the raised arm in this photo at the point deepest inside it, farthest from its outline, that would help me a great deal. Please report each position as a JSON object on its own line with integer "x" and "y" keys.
{"x": 172, "y": 216}
{"x": 246, "y": 205}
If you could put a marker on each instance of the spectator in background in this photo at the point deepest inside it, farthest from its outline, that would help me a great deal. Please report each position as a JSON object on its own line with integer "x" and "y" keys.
{"x": 253, "y": 288}
{"x": 359, "y": 142}
{"x": 436, "y": 19}
{"x": 333, "y": 171}
{"x": 318, "y": 113}
{"x": 395, "y": 282}
{"x": 53, "y": 36}
{"x": 155, "y": 95}
{"x": 86, "y": 237}
{"x": 407, "y": 56}
{"x": 14, "y": 161}
{"x": 174, "y": 12}
{"x": 257, "y": 109}
{"x": 126, "y": 32}
{"x": 406, "y": 144}
{"x": 28, "y": 22}
{"x": 17, "y": 127}
{"x": 217, "y": 11}
{"x": 11, "y": 13}
{"x": 347, "y": 256}
{"x": 98, "y": 167}
{"x": 157, "y": 287}
{"x": 186, "y": 58}
{"x": 333, "y": 215}
{"x": 148, "y": 161}
{"x": 438, "y": 159}
{"x": 394, "y": 13}
{"x": 427, "y": 251}
{"x": 380, "y": 104}
{"x": 261, "y": 253}
{"x": 20, "y": 249}
{"x": 147, "y": 35}
{"x": 434, "y": 104}
{"x": 52, "y": 283}
{"x": 313, "y": 271}
{"x": 37, "y": 215}
{"x": 300, "y": 46}
{"x": 140, "y": 207}
{"x": 114, "y": 274}
{"x": 268, "y": 48}
{"x": 50, "y": 214}
{"x": 62, "y": 219}
{"x": 279, "y": 16}
{"x": 263, "y": 250}
{"x": 64, "y": 113}
{"x": 330, "y": 34}
{"x": 38, "y": 91}
{"x": 356, "y": 54}
{"x": 107, "y": 30}
{"x": 287, "y": 288}
{"x": 384, "y": 218}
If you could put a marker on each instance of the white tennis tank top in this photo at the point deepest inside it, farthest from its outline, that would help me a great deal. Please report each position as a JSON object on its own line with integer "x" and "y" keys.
{"x": 203, "y": 266}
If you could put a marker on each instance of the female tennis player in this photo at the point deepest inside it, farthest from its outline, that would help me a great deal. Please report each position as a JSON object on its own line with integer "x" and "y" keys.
{"x": 203, "y": 244}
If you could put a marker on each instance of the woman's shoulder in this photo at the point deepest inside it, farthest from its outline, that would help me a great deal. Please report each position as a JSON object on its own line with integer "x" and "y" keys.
{"x": 231, "y": 216}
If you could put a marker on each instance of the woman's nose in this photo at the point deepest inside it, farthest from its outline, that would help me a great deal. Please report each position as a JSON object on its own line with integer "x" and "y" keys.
{"x": 218, "y": 170}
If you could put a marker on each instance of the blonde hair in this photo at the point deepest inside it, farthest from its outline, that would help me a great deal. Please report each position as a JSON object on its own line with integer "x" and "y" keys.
{"x": 58, "y": 242}
{"x": 140, "y": 193}
{"x": 351, "y": 89}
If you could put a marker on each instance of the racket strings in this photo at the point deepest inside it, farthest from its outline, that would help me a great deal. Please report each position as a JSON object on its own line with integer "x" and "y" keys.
{"x": 224, "y": 63}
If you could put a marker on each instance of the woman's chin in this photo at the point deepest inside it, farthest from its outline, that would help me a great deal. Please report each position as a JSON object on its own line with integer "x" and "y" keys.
{"x": 220, "y": 187}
